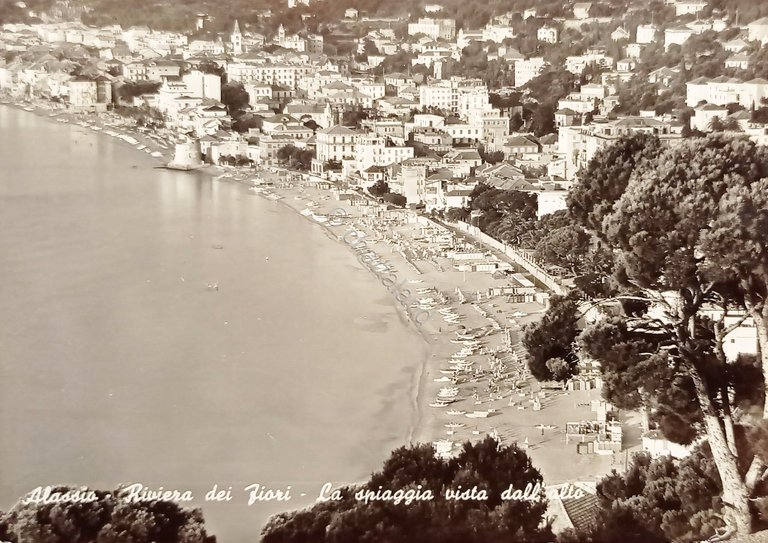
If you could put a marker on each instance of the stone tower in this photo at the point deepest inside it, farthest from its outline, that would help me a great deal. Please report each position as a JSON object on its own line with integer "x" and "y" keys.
{"x": 236, "y": 40}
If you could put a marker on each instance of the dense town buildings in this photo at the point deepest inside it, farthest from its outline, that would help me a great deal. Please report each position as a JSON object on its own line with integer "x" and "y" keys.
{"x": 370, "y": 118}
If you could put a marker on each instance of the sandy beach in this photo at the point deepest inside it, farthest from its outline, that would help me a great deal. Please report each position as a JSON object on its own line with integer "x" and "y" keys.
{"x": 491, "y": 383}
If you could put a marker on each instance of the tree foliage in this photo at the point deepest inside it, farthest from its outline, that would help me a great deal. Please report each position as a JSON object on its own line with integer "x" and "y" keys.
{"x": 234, "y": 96}
{"x": 565, "y": 246}
{"x": 379, "y": 188}
{"x": 300, "y": 159}
{"x": 687, "y": 227}
{"x": 486, "y": 465}
{"x": 109, "y": 519}
{"x": 131, "y": 89}
{"x": 457, "y": 214}
{"x": 606, "y": 179}
{"x": 661, "y": 500}
{"x": 553, "y": 338}
{"x": 395, "y": 199}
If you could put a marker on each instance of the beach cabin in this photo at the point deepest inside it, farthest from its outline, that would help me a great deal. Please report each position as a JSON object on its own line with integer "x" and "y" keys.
{"x": 584, "y": 431}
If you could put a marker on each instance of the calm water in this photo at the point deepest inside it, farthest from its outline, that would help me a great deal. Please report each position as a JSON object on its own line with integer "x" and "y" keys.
{"x": 118, "y": 365}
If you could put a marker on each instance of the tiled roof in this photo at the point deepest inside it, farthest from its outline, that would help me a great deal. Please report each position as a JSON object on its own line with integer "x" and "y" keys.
{"x": 582, "y": 511}
{"x": 338, "y": 131}
{"x": 519, "y": 141}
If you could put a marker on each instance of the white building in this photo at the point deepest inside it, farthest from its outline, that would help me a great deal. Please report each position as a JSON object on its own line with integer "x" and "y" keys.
{"x": 705, "y": 114}
{"x": 236, "y": 40}
{"x": 620, "y": 34}
{"x": 579, "y": 144}
{"x": 550, "y": 198}
{"x": 646, "y": 33}
{"x": 726, "y": 90}
{"x": 447, "y": 95}
{"x": 577, "y": 64}
{"x": 497, "y": 33}
{"x": 335, "y": 143}
{"x": 257, "y": 92}
{"x": 413, "y": 179}
{"x": 548, "y": 34}
{"x": 525, "y": 70}
{"x": 634, "y": 50}
{"x": 689, "y": 7}
{"x": 677, "y": 35}
{"x": 435, "y": 28}
{"x": 656, "y": 445}
{"x": 735, "y": 46}
{"x": 89, "y": 94}
{"x": 739, "y": 61}
{"x": 473, "y": 99}
{"x": 203, "y": 85}
{"x": 198, "y": 47}
{"x": 581, "y": 10}
{"x": 275, "y": 74}
{"x": 758, "y": 30}
{"x": 373, "y": 150}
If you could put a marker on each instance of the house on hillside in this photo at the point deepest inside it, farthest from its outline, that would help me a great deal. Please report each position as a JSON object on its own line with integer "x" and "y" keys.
{"x": 739, "y": 61}
{"x": 620, "y": 34}
{"x": 581, "y": 10}
{"x": 566, "y": 117}
{"x": 521, "y": 145}
{"x": 548, "y": 34}
{"x": 689, "y": 7}
{"x": 758, "y": 30}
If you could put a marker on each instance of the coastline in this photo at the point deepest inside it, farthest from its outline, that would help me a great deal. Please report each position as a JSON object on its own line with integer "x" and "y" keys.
{"x": 405, "y": 320}
{"x": 521, "y": 425}
{"x": 348, "y": 403}
{"x": 154, "y": 146}
{"x": 427, "y": 424}
{"x": 43, "y": 109}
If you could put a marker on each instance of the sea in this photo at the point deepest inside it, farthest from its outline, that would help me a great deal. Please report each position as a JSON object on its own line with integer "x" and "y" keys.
{"x": 170, "y": 330}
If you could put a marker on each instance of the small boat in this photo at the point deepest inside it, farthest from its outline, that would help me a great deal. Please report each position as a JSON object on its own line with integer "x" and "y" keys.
{"x": 439, "y": 403}
{"x": 454, "y": 412}
{"x": 477, "y": 415}
{"x": 443, "y": 379}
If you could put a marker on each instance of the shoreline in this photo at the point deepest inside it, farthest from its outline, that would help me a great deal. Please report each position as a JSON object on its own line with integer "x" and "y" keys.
{"x": 404, "y": 319}
{"x": 42, "y": 109}
{"x": 499, "y": 419}
{"x": 356, "y": 409}
{"x": 427, "y": 424}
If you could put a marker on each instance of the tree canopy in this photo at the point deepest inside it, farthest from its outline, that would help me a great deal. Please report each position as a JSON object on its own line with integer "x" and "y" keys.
{"x": 553, "y": 338}
{"x": 486, "y": 465}
{"x": 108, "y": 519}
{"x": 687, "y": 227}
